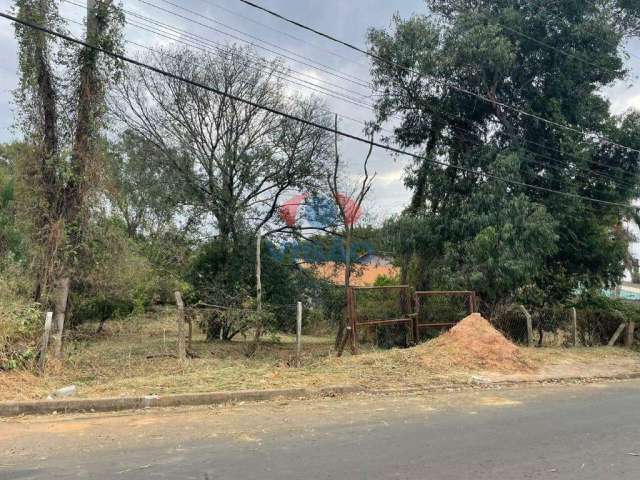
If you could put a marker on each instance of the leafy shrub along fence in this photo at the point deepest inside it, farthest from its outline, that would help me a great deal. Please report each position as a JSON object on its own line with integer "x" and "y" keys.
{"x": 388, "y": 313}
{"x": 20, "y": 330}
{"x": 552, "y": 327}
{"x": 21, "y": 322}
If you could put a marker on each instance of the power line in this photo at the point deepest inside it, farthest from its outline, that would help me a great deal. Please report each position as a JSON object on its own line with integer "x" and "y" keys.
{"x": 582, "y": 171}
{"x": 305, "y": 60}
{"x": 557, "y": 164}
{"x": 363, "y": 104}
{"x": 226, "y": 51}
{"x": 192, "y": 38}
{"x": 556, "y": 49}
{"x": 260, "y": 59}
{"x": 310, "y": 123}
{"x": 443, "y": 82}
{"x": 282, "y": 32}
{"x": 617, "y": 182}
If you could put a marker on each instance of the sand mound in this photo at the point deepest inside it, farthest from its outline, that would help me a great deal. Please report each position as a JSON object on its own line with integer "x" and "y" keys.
{"x": 474, "y": 344}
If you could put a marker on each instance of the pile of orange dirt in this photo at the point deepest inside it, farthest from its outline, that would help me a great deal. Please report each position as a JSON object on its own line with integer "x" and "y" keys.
{"x": 474, "y": 344}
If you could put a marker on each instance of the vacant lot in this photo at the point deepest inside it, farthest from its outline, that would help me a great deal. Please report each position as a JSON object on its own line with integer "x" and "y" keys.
{"x": 132, "y": 357}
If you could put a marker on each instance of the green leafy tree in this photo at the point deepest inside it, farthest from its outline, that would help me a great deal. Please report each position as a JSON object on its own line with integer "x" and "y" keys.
{"x": 225, "y": 281}
{"x": 483, "y": 233}
{"x": 61, "y": 100}
{"x": 144, "y": 194}
{"x": 11, "y": 238}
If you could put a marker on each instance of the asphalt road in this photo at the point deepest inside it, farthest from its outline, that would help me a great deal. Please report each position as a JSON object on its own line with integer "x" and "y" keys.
{"x": 585, "y": 432}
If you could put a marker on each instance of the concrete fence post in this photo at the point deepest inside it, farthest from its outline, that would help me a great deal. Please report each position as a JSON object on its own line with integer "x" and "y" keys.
{"x": 617, "y": 334}
{"x": 182, "y": 354}
{"x": 45, "y": 342}
{"x": 527, "y": 316}
{"x": 298, "y": 333}
{"x": 629, "y": 337}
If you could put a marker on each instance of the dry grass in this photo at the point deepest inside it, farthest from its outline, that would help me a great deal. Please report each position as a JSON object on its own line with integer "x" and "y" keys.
{"x": 116, "y": 363}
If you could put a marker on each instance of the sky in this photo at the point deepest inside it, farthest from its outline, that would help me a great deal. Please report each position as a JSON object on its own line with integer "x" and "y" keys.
{"x": 343, "y": 68}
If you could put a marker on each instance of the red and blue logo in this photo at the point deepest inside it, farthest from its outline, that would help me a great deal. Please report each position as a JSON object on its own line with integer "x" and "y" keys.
{"x": 320, "y": 211}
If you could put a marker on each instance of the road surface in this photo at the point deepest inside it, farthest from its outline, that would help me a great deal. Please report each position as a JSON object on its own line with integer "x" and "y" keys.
{"x": 565, "y": 432}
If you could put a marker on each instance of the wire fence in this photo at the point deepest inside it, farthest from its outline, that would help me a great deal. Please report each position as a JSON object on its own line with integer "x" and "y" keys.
{"x": 435, "y": 311}
{"x": 219, "y": 331}
{"x": 382, "y": 315}
{"x": 564, "y": 326}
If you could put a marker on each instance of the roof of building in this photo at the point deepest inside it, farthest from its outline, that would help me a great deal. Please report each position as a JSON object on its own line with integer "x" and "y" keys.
{"x": 364, "y": 274}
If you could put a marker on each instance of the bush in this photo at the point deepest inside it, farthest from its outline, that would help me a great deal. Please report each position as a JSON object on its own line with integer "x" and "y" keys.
{"x": 315, "y": 322}
{"x": 596, "y": 327}
{"x": 225, "y": 324}
{"x": 224, "y": 274}
{"x": 116, "y": 278}
{"x": 21, "y": 319}
{"x": 600, "y": 316}
{"x": 510, "y": 320}
{"x": 101, "y": 308}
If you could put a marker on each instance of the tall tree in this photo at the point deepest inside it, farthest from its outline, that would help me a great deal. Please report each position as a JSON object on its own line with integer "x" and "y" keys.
{"x": 143, "y": 194}
{"x": 233, "y": 160}
{"x": 62, "y": 110}
{"x": 550, "y": 59}
{"x": 348, "y": 208}
{"x": 11, "y": 239}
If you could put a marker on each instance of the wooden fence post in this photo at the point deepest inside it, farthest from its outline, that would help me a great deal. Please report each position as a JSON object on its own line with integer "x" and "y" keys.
{"x": 527, "y": 316}
{"x": 298, "y": 333}
{"x": 45, "y": 342}
{"x": 629, "y": 337}
{"x": 182, "y": 354}
{"x": 574, "y": 324}
{"x": 616, "y": 335}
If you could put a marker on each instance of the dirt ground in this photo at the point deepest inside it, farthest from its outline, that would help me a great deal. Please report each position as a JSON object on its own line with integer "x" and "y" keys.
{"x": 131, "y": 359}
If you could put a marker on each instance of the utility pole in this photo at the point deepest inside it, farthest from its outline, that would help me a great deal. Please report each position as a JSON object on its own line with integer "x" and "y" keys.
{"x": 258, "y": 326}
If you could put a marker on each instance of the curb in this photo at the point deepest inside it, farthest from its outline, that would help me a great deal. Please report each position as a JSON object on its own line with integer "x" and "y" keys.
{"x": 80, "y": 405}
{"x": 42, "y": 407}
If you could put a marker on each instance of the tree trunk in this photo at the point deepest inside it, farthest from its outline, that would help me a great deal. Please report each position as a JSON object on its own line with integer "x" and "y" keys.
{"x": 61, "y": 297}
{"x": 419, "y": 198}
{"x": 339, "y": 333}
{"x": 344, "y": 329}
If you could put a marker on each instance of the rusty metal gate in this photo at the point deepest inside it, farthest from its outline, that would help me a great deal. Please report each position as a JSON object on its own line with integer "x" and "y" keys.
{"x": 398, "y": 311}
{"x": 438, "y": 318}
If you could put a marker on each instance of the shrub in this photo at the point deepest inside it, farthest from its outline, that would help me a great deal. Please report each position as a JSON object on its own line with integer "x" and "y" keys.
{"x": 116, "y": 278}
{"x": 21, "y": 319}
{"x": 510, "y": 320}
{"x": 225, "y": 324}
{"x": 224, "y": 274}
{"x": 599, "y": 317}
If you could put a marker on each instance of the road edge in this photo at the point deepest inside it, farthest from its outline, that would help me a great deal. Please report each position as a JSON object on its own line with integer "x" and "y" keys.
{"x": 114, "y": 404}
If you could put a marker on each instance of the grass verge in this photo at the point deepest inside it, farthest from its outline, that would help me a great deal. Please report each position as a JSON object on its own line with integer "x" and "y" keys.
{"x": 128, "y": 360}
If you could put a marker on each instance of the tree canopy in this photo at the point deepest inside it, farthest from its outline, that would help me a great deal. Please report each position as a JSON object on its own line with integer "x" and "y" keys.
{"x": 475, "y": 80}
